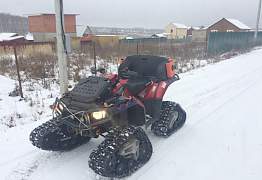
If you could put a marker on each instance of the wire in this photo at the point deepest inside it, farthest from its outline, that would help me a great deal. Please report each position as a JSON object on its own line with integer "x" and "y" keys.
{"x": 62, "y": 25}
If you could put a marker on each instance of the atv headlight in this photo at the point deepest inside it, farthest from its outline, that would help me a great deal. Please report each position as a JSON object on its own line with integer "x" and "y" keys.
{"x": 99, "y": 115}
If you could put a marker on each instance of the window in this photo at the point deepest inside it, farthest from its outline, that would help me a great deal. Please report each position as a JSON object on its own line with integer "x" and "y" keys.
{"x": 214, "y": 30}
{"x": 230, "y": 30}
{"x": 171, "y": 31}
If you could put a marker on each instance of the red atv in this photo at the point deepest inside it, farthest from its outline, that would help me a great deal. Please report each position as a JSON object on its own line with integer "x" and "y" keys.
{"x": 115, "y": 107}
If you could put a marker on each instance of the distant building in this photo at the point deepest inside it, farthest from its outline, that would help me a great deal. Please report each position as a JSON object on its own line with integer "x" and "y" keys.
{"x": 43, "y": 26}
{"x": 101, "y": 40}
{"x": 199, "y": 35}
{"x": 176, "y": 31}
{"x": 228, "y": 25}
{"x": 88, "y": 31}
{"x": 191, "y": 29}
{"x": 105, "y": 41}
{"x": 135, "y": 32}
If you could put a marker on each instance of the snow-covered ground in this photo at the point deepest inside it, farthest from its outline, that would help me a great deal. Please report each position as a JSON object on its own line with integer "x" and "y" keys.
{"x": 35, "y": 106}
{"x": 221, "y": 139}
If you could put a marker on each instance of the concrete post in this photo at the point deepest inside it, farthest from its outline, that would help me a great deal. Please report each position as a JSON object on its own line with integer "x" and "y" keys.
{"x": 61, "y": 47}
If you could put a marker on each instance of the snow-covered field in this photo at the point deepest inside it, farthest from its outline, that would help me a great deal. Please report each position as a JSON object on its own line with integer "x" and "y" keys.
{"x": 221, "y": 139}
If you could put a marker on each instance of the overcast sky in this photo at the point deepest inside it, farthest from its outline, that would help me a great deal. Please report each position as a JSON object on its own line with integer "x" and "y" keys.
{"x": 142, "y": 13}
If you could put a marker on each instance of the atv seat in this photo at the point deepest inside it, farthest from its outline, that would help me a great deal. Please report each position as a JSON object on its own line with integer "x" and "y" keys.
{"x": 148, "y": 68}
{"x": 136, "y": 86}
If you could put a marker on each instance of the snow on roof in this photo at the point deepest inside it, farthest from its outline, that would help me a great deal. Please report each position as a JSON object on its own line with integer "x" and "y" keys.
{"x": 128, "y": 38}
{"x": 14, "y": 38}
{"x": 196, "y": 28}
{"x": 29, "y": 37}
{"x": 178, "y": 25}
{"x": 160, "y": 35}
{"x": 106, "y": 35}
{"x": 6, "y": 36}
{"x": 193, "y": 28}
{"x": 50, "y": 14}
{"x": 238, "y": 23}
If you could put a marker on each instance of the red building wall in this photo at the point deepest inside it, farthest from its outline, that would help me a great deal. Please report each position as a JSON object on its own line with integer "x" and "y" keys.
{"x": 45, "y": 23}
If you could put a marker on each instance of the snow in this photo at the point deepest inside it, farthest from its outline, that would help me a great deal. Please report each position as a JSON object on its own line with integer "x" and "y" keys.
{"x": 14, "y": 112}
{"x": 106, "y": 35}
{"x": 220, "y": 140}
{"x": 160, "y": 35}
{"x": 178, "y": 25}
{"x": 9, "y": 36}
{"x": 194, "y": 28}
{"x": 6, "y": 36}
{"x": 238, "y": 24}
{"x": 29, "y": 36}
{"x": 129, "y": 38}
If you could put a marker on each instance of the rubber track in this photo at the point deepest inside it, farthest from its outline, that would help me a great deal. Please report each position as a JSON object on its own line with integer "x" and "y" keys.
{"x": 161, "y": 127}
{"x": 106, "y": 161}
{"x": 49, "y": 136}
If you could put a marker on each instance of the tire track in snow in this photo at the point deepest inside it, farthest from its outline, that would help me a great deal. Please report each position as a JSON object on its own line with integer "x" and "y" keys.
{"x": 25, "y": 169}
{"x": 23, "y": 156}
{"x": 163, "y": 143}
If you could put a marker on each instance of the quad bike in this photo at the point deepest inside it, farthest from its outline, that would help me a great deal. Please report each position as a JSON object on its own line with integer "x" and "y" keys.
{"x": 115, "y": 106}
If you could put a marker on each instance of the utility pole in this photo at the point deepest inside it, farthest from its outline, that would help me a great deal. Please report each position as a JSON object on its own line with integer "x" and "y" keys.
{"x": 61, "y": 46}
{"x": 258, "y": 18}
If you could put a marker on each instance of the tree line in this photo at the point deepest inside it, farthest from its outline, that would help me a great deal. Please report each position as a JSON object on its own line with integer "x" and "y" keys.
{"x": 13, "y": 23}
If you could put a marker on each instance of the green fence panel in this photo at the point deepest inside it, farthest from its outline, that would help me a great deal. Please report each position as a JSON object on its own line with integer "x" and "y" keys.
{"x": 221, "y": 42}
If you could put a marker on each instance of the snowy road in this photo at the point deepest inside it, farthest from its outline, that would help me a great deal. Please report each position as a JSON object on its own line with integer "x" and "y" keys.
{"x": 221, "y": 139}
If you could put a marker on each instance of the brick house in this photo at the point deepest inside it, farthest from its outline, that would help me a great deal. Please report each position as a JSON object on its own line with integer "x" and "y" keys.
{"x": 43, "y": 26}
{"x": 228, "y": 25}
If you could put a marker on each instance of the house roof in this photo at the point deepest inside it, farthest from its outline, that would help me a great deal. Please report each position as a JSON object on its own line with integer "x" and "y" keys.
{"x": 238, "y": 23}
{"x": 29, "y": 37}
{"x": 106, "y": 35}
{"x": 50, "y": 14}
{"x": 6, "y": 36}
{"x": 9, "y": 37}
{"x": 129, "y": 38}
{"x": 88, "y": 30}
{"x": 178, "y": 25}
{"x": 195, "y": 28}
{"x": 160, "y": 35}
